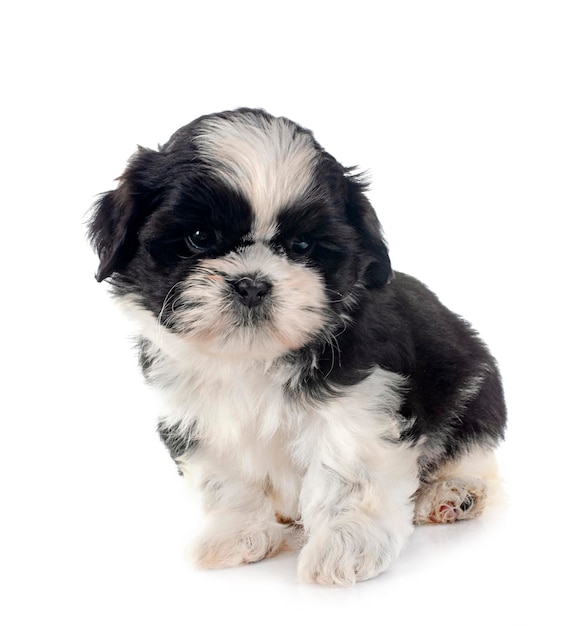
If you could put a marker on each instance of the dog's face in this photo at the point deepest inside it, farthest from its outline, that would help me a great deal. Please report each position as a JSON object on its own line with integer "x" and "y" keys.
{"x": 241, "y": 235}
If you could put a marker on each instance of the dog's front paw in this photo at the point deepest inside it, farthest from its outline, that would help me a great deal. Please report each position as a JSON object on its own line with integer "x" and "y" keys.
{"x": 346, "y": 555}
{"x": 224, "y": 546}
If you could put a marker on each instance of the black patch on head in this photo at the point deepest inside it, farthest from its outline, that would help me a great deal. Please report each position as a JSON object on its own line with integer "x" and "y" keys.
{"x": 337, "y": 219}
{"x": 332, "y": 244}
{"x": 196, "y": 204}
{"x": 140, "y": 230}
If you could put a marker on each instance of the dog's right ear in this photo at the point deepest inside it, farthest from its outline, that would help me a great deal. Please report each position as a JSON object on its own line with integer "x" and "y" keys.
{"x": 118, "y": 215}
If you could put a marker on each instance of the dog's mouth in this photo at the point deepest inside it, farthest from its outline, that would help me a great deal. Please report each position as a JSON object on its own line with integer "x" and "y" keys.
{"x": 231, "y": 327}
{"x": 230, "y": 314}
{"x": 248, "y": 311}
{"x": 256, "y": 317}
{"x": 220, "y": 315}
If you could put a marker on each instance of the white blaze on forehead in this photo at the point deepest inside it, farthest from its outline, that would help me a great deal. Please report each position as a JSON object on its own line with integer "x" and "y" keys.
{"x": 267, "y": 159}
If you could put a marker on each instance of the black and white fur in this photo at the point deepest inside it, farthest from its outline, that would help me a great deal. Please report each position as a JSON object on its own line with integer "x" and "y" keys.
{"x": 308, "y": 388}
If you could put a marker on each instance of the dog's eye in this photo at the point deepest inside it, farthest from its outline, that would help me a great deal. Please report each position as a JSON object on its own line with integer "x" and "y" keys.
{"x": 301, "y": 245}
{"x": 200, "y": 240}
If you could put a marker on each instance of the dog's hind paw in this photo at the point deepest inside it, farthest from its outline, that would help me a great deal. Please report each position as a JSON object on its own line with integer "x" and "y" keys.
{"x": 452, "y": 500}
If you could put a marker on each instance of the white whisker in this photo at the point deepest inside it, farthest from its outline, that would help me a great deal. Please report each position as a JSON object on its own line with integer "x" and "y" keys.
{"x": 166, "y": 301}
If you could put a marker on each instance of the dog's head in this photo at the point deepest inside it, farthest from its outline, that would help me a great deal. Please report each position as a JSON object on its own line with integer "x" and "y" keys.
{"x": 241, "y": 235}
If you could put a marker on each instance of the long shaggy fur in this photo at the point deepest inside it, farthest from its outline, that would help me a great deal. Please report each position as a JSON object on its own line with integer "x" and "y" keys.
{"x": 309, "y": 390}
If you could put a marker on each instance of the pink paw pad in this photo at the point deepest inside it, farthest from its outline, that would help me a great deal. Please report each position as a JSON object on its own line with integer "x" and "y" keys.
{"x": 446, "y": 512}
{"x": 449, "y": 512}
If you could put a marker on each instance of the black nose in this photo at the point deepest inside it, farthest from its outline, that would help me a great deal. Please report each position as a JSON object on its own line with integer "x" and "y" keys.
{"x": 252, "y": 291}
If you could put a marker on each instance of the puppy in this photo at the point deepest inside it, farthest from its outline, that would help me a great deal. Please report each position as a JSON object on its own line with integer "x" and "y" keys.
{"x": 308, "y": 388}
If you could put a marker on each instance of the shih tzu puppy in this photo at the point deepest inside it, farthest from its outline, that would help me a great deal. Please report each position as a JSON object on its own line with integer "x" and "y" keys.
{"x": 309, "y": 389}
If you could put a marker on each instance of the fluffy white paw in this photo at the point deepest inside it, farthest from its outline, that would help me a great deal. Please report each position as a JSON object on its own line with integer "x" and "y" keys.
{"x": 346, "y": 555}
{"x": 222, "y": 546}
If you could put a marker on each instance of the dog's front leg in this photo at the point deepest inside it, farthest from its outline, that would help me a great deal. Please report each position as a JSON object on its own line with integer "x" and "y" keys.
{"x": 356, "y": 508}
{"x": 241, "y": 525}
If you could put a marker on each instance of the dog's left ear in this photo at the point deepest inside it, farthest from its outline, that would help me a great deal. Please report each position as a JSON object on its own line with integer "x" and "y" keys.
{"x": 377, "y": 269}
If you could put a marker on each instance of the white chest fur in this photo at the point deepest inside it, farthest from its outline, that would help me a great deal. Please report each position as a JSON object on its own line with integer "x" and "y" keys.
{"x": 249, "y": 427}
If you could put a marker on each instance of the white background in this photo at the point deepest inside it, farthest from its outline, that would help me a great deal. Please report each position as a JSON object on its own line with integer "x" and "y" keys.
{"x": 466, "y": 114}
